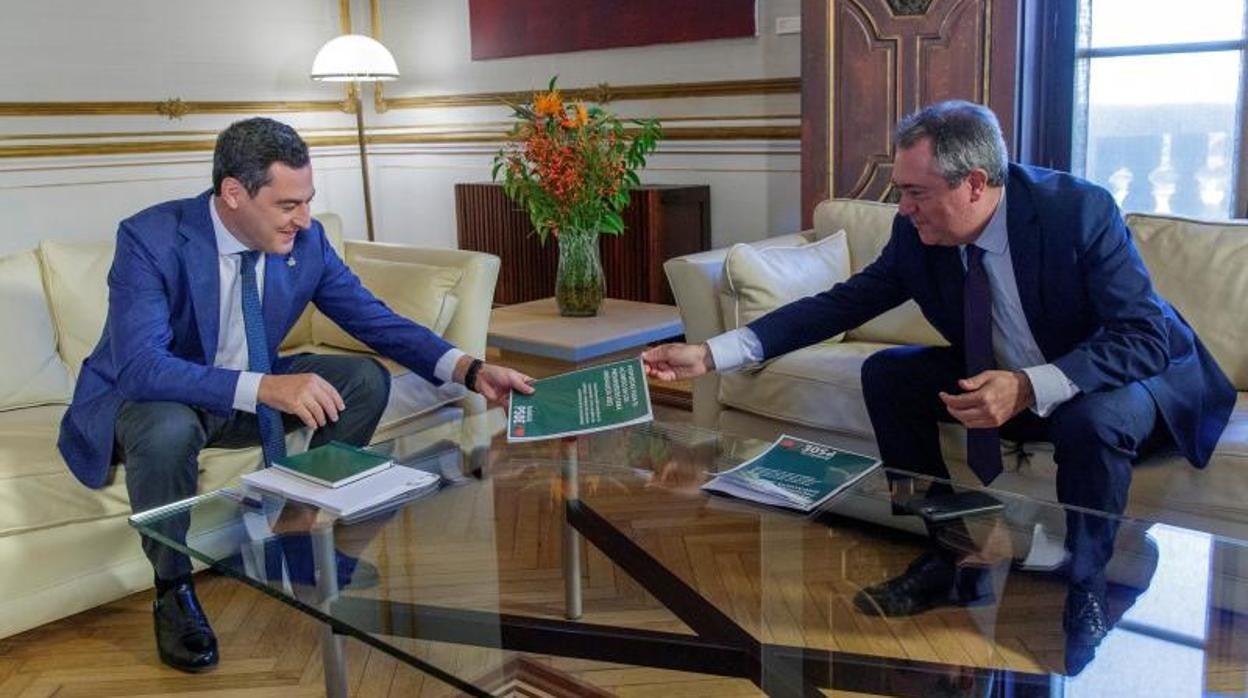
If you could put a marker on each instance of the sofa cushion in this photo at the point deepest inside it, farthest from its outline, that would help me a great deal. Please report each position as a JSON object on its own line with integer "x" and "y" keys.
{"x": 420, "y": 292}
{"x": 33, "y": 374}
{"x": 759, "y": 280}
{"x": 37, "y": 490}
{"x": 1202, "y": 269}
{"x": 76, "y": 276}
{"x": 819, "y": 386}
{"x": 868, "y": 226}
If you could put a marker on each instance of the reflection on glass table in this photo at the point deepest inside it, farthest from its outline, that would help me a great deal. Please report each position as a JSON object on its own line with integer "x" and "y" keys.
{"x": 598, "y": 563}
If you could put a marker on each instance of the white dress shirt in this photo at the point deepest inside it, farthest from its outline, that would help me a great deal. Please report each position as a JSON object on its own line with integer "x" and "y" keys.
{"x": 1013, "y": 344}
{"x": 232, "y": 332}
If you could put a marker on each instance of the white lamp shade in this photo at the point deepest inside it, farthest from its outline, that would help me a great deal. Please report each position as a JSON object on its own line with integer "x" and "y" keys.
{"x": 354, "y": 57}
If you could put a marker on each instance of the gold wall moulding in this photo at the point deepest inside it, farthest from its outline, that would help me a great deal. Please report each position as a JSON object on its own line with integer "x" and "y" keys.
{"x": 389, "y": 128}
{"x": 142, "y": 147}
{"x": 604, "y": 93}
{"x": 692, "y": 133}
{"x": 176, "y": 107}
{"x": 171, "y": 108}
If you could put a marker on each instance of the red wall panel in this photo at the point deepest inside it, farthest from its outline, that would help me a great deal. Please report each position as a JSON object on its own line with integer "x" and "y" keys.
{"x": 502, "y": 28}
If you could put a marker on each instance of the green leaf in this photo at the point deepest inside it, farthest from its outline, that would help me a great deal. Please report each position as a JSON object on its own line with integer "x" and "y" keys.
{"x": 551, "y": 86}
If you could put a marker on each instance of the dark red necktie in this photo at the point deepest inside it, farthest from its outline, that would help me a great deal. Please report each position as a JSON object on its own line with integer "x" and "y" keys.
{"x": 983, "y": 446}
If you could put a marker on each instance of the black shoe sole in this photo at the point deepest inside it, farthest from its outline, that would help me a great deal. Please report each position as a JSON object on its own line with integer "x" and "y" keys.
{"x": 187, "y": 668}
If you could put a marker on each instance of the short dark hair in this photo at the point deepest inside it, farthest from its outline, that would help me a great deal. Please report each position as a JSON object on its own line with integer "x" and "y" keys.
{"x": 246, "y": 149}
{"x": 965, "y": 136}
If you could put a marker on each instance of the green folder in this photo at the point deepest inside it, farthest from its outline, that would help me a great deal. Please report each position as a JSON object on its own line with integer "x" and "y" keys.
{"x": 333, "y": 464}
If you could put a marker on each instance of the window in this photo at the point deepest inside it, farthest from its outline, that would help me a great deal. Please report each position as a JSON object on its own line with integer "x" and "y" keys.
{"x": 1159, "y": 103}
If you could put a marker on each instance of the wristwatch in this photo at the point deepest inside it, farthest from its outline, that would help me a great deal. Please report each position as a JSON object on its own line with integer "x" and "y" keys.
{"x": 470, "y": 376}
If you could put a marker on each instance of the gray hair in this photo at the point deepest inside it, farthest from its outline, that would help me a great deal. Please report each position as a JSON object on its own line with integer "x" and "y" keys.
{"x": 965, "y": 137}
{"x": 247, "y": 148}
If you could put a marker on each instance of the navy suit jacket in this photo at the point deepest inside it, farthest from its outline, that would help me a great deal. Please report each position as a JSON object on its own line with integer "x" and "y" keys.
{"x": 160, "y": 339}
{"x": 1084, "y": 289}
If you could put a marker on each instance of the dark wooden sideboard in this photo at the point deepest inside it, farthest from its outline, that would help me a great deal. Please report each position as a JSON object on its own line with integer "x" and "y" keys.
{"x": 661, "y": 222}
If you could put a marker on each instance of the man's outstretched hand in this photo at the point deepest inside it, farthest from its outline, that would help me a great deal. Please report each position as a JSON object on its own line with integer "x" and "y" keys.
{"x": 991, "y": 399}
{"x": 669, "y": 362}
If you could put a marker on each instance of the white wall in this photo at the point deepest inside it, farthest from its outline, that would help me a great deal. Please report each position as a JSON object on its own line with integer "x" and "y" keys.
{"x": 239, "y": 50}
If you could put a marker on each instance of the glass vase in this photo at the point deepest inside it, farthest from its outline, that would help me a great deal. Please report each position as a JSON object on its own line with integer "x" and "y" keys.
{"x": 579, "y": 282}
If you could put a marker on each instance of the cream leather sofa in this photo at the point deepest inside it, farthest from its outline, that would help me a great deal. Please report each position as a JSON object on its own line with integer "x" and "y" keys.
{"x": 64, "y": 547}
{"x": 1201, "y": 267}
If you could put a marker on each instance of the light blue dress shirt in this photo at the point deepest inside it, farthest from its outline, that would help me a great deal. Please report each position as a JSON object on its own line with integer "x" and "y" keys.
{"x": 1013, "y": 344}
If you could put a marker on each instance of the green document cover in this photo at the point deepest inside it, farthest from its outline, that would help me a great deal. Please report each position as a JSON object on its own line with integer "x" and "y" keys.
{"x": 793, "y": 473}
{"x": 581, "y": 402}
{"x": 333, "y": 464}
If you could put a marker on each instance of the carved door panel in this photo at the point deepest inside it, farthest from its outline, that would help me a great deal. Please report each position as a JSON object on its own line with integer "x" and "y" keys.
{"x": 867, "y": 63}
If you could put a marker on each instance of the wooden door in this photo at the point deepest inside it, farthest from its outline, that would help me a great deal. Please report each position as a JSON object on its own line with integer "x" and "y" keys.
{"x": 867, "y": 63}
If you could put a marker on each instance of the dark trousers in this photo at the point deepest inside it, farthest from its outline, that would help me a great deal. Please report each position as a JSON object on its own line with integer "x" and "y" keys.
{"x": 1096, "y": 439}
{"x": 159, "y": 442}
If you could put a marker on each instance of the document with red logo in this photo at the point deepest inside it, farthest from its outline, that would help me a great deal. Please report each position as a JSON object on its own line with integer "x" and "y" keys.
{"x": 581, "y": 402}
{"x": 793, "y": 473}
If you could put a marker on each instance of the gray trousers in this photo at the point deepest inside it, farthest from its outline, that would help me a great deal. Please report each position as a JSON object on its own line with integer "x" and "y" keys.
{"x": 159, "y": 442}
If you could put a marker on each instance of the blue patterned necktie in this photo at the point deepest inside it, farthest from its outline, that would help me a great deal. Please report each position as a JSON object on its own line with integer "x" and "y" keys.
{"x": 983, "y": 446}
{"x": 272, "y": 436}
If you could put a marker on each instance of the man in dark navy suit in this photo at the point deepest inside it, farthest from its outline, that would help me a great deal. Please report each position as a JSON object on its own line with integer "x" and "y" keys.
{"x": 1056, "y": 334}
{"x": 201, "y": 293}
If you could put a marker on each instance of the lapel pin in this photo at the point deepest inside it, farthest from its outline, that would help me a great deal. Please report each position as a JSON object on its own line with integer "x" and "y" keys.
{"x": 290, "y": 261}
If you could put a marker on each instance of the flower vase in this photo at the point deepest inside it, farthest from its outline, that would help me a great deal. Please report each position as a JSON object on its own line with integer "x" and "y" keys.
{"x": 579, "y": 282}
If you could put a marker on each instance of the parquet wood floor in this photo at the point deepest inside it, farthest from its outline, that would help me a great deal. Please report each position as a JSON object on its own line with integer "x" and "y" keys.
{"x": 270, "y": 650}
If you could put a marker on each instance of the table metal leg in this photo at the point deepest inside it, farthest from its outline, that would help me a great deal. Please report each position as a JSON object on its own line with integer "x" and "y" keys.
{"x": 571, "y": 539}
{"x": 333, "y": 650}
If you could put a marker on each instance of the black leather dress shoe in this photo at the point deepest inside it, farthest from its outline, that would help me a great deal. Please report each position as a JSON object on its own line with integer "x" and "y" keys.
{"x": 183, "y": 636}
{"x": 1085, "y": 618}
{"x": 931, "y": 581}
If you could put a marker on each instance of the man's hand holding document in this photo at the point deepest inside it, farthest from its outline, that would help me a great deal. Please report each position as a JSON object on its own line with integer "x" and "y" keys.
{"x": 581, "y": 402}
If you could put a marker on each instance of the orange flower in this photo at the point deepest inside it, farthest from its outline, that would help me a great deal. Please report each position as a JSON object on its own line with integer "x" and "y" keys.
{"x": 579, "y": 118}
{"x": 548, "y": 104}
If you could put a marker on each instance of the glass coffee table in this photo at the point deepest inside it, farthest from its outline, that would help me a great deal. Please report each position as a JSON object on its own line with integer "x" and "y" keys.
{"x": 593, "y": 566}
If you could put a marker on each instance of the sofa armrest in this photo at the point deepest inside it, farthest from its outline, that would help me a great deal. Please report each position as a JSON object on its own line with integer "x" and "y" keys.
{"x": 475, "y": 290}
{"x": 696, "y": 280}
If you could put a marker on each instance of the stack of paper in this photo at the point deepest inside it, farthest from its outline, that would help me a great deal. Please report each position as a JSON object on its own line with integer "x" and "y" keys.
{"x": 381, "y": 490}
{"x": 794, "y": 473}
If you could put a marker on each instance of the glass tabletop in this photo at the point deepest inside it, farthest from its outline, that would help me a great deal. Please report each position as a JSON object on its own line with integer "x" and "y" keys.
{"x": 596, "y": 565}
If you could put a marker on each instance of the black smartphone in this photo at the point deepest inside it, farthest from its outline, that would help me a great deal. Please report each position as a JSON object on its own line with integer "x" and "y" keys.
{"x": 952, "y": 506}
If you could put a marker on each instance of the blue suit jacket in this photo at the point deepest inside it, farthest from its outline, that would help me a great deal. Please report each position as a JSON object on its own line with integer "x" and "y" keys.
{"x": 1084, "y": 289}
{"x": 160, "y": 338}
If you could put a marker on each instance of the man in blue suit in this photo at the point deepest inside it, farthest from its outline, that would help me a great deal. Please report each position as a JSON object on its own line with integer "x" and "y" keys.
{"x": 1056, "y": 335}
{"x": 201, "y": 293}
